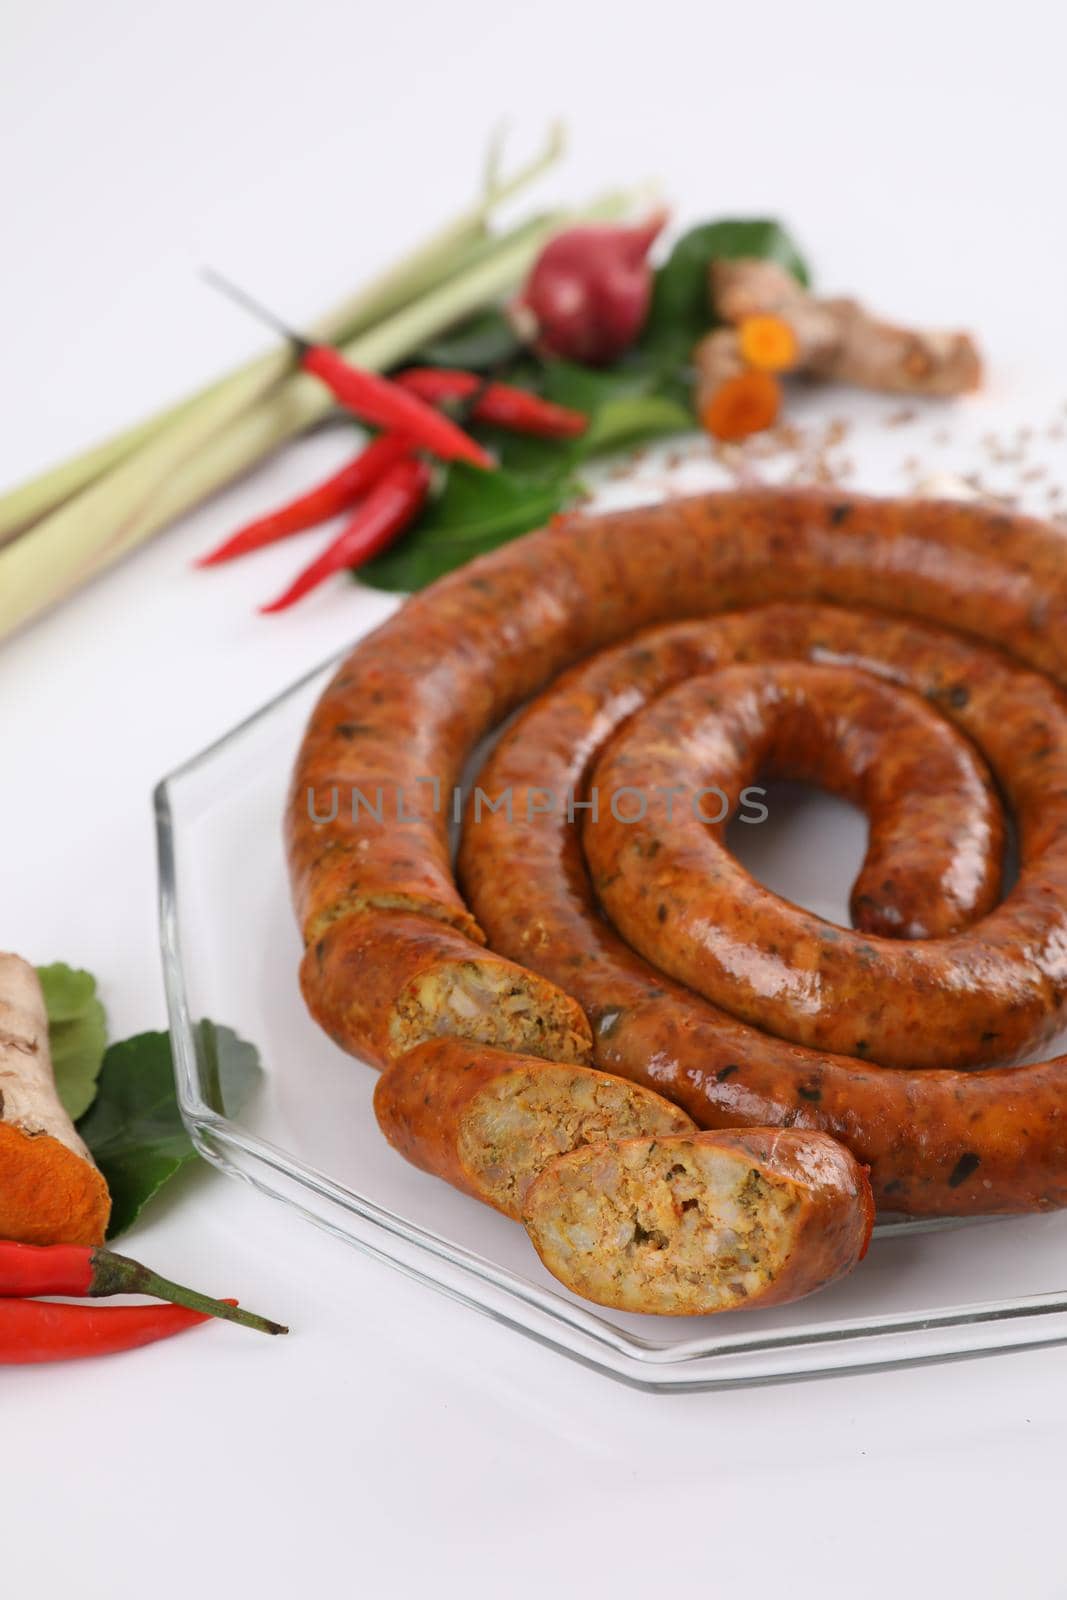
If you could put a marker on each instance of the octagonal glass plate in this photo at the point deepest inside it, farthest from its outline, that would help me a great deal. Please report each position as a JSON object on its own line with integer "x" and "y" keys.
{"x": 309, "y": 1138}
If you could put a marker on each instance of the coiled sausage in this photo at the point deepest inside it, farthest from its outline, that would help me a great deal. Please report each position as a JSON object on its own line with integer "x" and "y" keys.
{"x": 409, "y": 706}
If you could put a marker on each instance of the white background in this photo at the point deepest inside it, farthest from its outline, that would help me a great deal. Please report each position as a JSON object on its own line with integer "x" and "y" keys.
{"x": 397, "y": 1444}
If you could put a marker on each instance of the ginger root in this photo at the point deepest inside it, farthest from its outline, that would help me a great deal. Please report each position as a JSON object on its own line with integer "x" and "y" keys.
{"x": 51, "y": 1191}
{"x": 838, "y": 339}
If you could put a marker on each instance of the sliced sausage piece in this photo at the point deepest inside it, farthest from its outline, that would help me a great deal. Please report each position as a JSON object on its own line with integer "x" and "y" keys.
{"x": 383, "y": 981}
{"x": 487, "y": 1120}
{"x": 695, "y": 1224}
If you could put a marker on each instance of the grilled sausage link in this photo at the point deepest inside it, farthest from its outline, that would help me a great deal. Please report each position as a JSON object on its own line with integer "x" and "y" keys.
{"x": 488, "y": 1121}
{"x": 409, "y": 706}
{"x": 691, "y": 1225}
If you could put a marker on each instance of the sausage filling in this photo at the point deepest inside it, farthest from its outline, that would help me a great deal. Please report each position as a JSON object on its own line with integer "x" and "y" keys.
{"x": 517, "y": 1124}
{"x": 488, "y": 1003}
{"x": 674, "y": 1228}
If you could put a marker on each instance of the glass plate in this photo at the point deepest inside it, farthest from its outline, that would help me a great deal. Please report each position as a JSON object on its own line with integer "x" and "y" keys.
{"x": 309, "y": 1138}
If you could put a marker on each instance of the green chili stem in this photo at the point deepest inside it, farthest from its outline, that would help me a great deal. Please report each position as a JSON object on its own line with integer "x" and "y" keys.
{"x": 115, "y": 1274}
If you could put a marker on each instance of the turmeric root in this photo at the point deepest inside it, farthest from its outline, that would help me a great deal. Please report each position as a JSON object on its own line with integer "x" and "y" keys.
{"x": 837, "y": 338}
{"x": 51, "y": 1192}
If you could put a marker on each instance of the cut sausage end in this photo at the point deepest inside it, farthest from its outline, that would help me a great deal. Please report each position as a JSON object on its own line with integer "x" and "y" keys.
{"x": 354, "y": 905}
{"x": 383, "y": 981}
{"x": 519, "y": 1123}
{"x": 494, "y": 1003}
{"x": 487, "y": 1121}
{"x": 688, "y": 1226}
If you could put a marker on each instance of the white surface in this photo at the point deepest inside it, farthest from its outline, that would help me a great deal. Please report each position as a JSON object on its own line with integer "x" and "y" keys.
{"x": 918, "y": 150}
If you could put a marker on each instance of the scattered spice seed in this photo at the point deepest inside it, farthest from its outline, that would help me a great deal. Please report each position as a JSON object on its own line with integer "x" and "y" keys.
{"x": 791, "y": 453}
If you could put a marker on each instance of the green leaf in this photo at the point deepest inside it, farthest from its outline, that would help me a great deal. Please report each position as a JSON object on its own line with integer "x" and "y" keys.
{"x": 588, "y": 388}
{"x": 134, "y": 1128}
{"x": 526, "y": 457}
{"x": 625, "y": 404}
{"x": 485, "y": 340}
{"x": 633, "y": 419}
{"x": 681, "y": 310}
{"x": 476, "y": 512}
{"x": 77, "y": 1033}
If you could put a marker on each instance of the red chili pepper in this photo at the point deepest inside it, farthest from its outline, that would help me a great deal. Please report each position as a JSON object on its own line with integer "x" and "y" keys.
{"x": 335, "y": 494}
{"x": 374, "y": 399}
{"x": 386, "y": 405}
{"x": 27, "y": 1269}
{"x": 390, "y": 507}
{"x": 33, "y": 1331}
{"x": 499, "y": 403}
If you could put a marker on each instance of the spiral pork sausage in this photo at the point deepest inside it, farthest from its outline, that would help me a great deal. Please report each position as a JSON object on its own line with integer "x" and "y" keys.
{"x": 407, "y": 709}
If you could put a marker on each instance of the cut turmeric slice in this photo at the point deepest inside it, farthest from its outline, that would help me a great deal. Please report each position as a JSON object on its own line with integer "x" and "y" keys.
{"x": 768, "y": 343}
{"x": 742, "y": 405}
{"x": 51, "y": 1191}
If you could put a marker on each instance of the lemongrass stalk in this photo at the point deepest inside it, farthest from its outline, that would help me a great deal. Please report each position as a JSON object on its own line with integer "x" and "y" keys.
{"x": 30, "y": 500}
{"x": 137, "y": 498}
{"x": 421, "y": 271}
{"x": 447, "y": 250}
